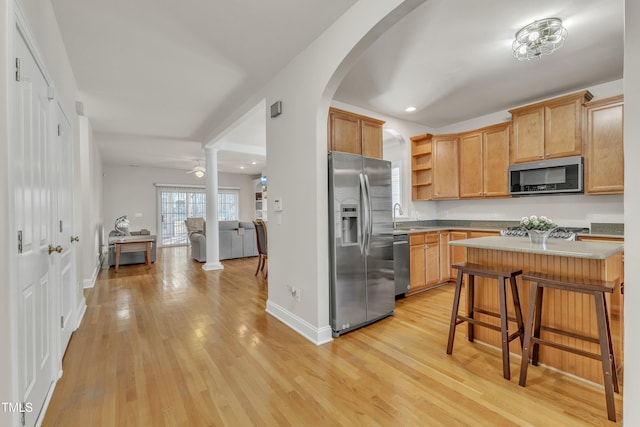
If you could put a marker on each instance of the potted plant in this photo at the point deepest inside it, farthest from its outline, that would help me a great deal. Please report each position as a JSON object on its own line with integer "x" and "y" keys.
{"x": 538, "y": 228}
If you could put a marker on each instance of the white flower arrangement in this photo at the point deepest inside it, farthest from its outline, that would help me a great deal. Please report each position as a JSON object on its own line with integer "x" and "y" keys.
{"x": 536, "y": 223}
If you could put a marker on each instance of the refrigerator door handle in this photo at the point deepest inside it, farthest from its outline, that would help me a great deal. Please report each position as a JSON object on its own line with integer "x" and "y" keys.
{"x": 363, "y": 216}
{"x": 369, "y": 214}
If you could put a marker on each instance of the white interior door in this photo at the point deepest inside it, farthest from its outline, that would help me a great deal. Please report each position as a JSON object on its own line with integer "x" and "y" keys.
{"x": 33, "y": 218}
{"x": 62, "y": 159}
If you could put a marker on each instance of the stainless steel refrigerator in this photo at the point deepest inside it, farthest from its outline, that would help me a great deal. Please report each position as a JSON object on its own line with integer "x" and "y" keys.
{"x": 362, "y": 289}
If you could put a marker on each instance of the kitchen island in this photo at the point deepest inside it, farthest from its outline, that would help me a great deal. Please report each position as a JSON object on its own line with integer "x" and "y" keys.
{"x": 562, "y": 310}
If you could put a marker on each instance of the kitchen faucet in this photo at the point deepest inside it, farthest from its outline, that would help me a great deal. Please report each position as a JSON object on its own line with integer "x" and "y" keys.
{"x": 397, "y": 205}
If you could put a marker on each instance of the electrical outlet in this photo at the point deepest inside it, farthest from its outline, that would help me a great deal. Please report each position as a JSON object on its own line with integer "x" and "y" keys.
{"x": 295, "y": 292}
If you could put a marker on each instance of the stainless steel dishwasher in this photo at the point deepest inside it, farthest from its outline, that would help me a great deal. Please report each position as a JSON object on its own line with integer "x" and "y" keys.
{"x": 401, "y": 263}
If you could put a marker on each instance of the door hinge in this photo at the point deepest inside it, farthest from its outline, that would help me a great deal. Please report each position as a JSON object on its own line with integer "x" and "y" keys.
{"x": 61, "y": 226}
{"x": 18, "y": 69}
{"x": 23, "y": 421}
{"x": 58, "y": 130}
{"x": 19, "y": 241}
{"x": 61, "y": 322}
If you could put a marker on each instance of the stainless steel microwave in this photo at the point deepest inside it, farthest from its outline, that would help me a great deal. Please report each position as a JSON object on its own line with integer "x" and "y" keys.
{"x": 564, "y": 175}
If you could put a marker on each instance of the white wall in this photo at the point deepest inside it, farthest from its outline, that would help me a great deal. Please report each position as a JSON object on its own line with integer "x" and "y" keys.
{"x": 631, "y": 409}
{"x": 247, "y": 192}
{"x": 131, "y": 190}
{"x": 570, "y": 211}
{"x": 297, "y": 162}
{"x": 90, "y": 176}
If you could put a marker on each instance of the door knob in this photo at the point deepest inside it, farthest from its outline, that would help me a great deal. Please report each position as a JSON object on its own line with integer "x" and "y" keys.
{"x": 75, "y": 239}
{"x": 56, "y": 249}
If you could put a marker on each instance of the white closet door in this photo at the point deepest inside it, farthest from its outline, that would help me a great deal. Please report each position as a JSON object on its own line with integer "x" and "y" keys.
{"x": 33, "y": 217}
{"x": 62, "y": 163}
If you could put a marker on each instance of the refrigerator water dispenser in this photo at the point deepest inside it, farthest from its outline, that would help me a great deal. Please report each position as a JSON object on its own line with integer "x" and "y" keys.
{"x": 349, "y": 224}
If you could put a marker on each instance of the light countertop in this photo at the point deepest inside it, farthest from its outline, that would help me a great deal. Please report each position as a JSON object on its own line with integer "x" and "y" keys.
{"x": 426, "y": 229}
{"x": 555, "y": 247}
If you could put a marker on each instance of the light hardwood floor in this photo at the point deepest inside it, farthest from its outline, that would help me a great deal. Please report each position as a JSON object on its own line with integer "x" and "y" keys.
{"x": 173, "y": 345}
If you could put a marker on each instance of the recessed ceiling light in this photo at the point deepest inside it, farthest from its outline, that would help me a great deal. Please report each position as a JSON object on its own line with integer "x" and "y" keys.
{"x": 254, "y": 163}
{"x": 410, "y": 109}
{"x": 241, "y": 167}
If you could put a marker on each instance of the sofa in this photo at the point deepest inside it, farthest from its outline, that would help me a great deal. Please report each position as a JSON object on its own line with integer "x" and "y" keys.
{"x": 130, "y": 257}
{"x": 237, "y": 239}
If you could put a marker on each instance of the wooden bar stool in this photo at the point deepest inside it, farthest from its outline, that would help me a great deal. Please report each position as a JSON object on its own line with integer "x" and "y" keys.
{"x": 501, "y": 274}
{"x": 597, "y": 288}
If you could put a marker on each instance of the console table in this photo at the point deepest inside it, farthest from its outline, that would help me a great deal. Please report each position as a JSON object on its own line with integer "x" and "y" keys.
{"x": 133, "y": 245}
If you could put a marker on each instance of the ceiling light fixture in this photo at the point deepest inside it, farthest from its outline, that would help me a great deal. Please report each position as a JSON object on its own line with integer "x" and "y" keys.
{"x": 198, "y": 170}
{"x": 539, "y": 38}
{"x": 410, "y": 109}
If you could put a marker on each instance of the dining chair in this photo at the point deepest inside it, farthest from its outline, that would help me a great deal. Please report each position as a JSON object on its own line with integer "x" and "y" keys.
{"x": 261, "y": 241}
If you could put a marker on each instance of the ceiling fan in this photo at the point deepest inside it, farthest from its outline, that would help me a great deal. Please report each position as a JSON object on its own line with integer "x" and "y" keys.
{"x": 198, "y": 170}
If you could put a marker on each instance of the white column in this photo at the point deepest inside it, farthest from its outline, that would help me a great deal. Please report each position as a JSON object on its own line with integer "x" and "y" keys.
{"x": 213, "y": 235}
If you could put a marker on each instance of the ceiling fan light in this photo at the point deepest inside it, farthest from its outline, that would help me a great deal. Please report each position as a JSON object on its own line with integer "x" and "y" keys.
{"x": 199, "y": 173}
{"x": 539, "y": 38}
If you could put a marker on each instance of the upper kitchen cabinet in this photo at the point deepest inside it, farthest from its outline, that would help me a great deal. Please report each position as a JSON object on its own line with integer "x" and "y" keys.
{"x": 445, "y": 166}
{"x": 548, "y": 129}
{"x": 421, "y": 167}
{"x": 484, "y": 162}
{"x": 604, "y": 156}
{"x": 353, "y": 133}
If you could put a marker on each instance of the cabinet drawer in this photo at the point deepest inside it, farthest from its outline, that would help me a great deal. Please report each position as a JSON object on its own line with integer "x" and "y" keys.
{"x": 431, "y": 238}
{"x": 416, "y": 239}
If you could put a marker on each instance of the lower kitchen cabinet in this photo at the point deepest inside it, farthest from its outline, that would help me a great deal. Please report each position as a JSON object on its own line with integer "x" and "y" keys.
{"x": 456, "y": 253}
{"x": 431, "y": 257}
{"x": 424, "y": 254}
{"x": 417, "y": 274}
{"x": 445, "y": 257}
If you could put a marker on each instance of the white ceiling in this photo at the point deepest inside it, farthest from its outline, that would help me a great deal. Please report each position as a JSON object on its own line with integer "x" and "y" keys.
{"x": 156, "y": 76}
{"x": 166, "y": 71}
{"x": 452, "y": 59}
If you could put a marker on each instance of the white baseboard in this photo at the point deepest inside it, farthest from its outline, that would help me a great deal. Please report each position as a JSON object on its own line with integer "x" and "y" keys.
{"x": 318, "y": 336}
{"x": 212, "y": 266}
{"x": 80, "y": 311}
{"x": 47, "y": 400}
{"x": 90, "y": 283}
